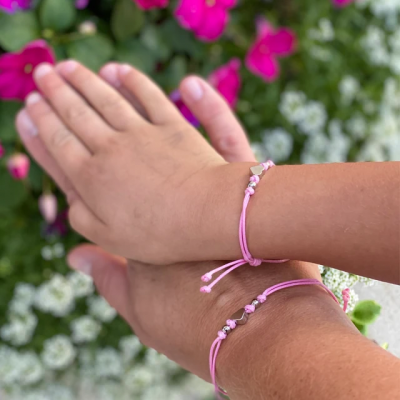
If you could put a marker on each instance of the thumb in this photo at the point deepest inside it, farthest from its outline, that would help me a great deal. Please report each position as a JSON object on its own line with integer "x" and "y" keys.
{"x": 109, "y": 274}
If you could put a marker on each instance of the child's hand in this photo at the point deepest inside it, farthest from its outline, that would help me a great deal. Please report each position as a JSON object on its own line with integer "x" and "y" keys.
{"x": 151, "y": 190}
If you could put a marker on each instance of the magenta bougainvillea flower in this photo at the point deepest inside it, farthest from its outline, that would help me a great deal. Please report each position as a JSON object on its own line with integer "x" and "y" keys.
{"x": 16, "y": 80}
{"x": 2, "y": 151}
{"x": 11, "y": 6}
{"x": 226, "y": 79}
{"x": 18, "y": 166}
{"x": 48, "y": 207}
{"x": 81, "y": 4}
{"x": 176, "y": 98}
{"x": 149, "y": 4}
{"x": 262, "y": 58}
{"x": 342, "y": 3}
{"x": 206, "y": 18}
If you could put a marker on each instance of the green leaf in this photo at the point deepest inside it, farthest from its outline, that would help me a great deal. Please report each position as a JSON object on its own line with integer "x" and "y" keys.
{"x": 58, "y": 15}
{"x": 8, "y": 111}
{"x": 362, "y": 328}
{"x": 92, "y": 51}
{"x": 12, "y": 192}
{"x": 156, "y": 43}
{"x": 366, "y": 312}
{"x": 16, "y": 30}
{"x": 126, "y": 20}
{"x": 133, "y": 52}
{"x": 174, "y": 73}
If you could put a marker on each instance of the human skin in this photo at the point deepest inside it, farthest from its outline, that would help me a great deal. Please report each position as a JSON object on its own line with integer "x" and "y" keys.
{"x": 182, "y": 191}
{"x": 164, "y": 307}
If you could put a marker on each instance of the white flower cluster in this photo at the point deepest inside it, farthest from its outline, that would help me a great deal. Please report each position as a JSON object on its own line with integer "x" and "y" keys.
{"x": 100, "y": 309}
{"x": 277, "y": 144}
{"x": 324, "y": 31}
{"x": 51, "y": 252}
{"x": 58, "y": 352}
{"x": 19, "y": 368}
{"x": 308, "y": 115}
{"x": 22, "y": 321}
{"x": 383, "y": 141}
{"x": 386, "y": 9}
{"x": 82, "y": 284}
{"x": 85, "y": 329}
{"x": 337, "y": 281}
{"x": 56, "y": 296}
{"x": 381, "y": 49}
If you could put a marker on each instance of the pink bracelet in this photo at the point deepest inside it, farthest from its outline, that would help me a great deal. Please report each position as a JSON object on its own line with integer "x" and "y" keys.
{"x": 240, "y": 318}
{"x": 257, "y": 171}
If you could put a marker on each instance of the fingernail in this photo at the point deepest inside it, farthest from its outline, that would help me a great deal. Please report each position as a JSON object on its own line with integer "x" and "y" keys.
{"x": 110, "y": 74}
{"x": 124, "y": 69}
{"x": 194, "y": 89}
{"x": 33, "y": 98}
{"x": 26, "y": 124}
{"x": 67, "y": 67}
{"x": 80, "y": 264}
{"x": 42, "y": 70}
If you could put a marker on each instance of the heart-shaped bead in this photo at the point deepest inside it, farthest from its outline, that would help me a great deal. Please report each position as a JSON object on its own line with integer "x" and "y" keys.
{"x": 240, "y": 317}
{"x": 257, "y": 170}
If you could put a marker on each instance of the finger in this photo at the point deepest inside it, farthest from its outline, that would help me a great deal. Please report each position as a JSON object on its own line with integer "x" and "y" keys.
{"x": 71, "y": 108}
{"x": 65, "y": 147}
{"x": 157, "y": 105}
{"x": 110, "y": 74}
{"x": 212, "y": 111}
{"x": 104, "y": 98}
{"x": 109, "y": 274}
{"x": 86, "y": 223}
{"x": 29, "y": 136}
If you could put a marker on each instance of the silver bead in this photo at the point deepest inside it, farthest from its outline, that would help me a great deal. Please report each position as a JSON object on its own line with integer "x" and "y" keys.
{"x": 226, "y": 329}
{"x": 256, "y": 303}
{"x": 240, "y": 317}
{"x": 252, "y": 184}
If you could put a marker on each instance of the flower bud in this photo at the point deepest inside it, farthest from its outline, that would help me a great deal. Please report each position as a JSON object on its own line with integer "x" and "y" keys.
{"x": 2, "y": 151}
{"x": 48, "y": 207}
{"x": 18, "y": 166}
{"x": 88, "y": 28}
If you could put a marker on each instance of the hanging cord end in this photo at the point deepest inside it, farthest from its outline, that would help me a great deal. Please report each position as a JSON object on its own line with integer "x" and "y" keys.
{"x": 346, "y": 298}
{"x": 206, "y": 277}
{"x": 205, "y": 289}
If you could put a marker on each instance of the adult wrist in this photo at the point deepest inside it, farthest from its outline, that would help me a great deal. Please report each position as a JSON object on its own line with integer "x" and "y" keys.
{"x": 250, "y": 355}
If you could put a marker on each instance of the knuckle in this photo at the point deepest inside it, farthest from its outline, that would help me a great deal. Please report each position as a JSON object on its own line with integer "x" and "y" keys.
{"x": 112, "y": 103}
{"x": 60, "y": 137}
{"x": 75, "y": 113}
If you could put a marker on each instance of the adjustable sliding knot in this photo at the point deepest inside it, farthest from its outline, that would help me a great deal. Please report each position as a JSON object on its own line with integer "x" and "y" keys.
{"x": 222, "y": 335}
{"x": 250, "y": 308}
{"x": 250, "y": 191}
{"x": 262, "y": 298}
{"x": 231, "y": 323}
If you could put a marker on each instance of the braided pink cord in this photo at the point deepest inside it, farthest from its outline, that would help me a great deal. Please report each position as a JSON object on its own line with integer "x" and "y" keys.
{"x": 247, "y": 257}
{"x": 215, "y": 347}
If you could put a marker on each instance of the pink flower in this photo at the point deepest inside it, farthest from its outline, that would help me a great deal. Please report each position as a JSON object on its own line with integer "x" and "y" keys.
{"x": 16, "y": 80}
{"x": 18, "y": 166}
{"x": 11, "y": 6}
{"x": 149, "y": 4}
{"x": 48, "y": 207}
{"x": 81, "y": 4}
{"x": 262, "y": 58}
{"x": 226, "y": 80}
{"x": 176, "y": 98}
{"x": 206, "y": 18}
{"x": 2, "y": 151}
{"x": 342, "y": 3}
